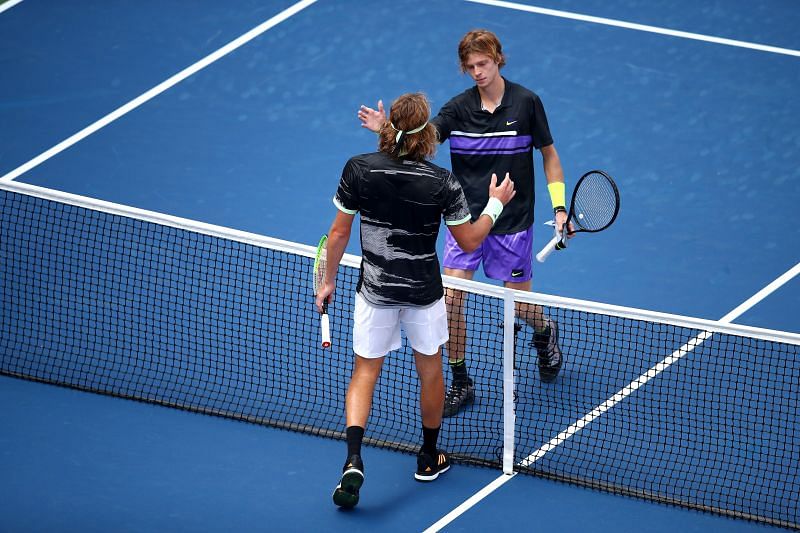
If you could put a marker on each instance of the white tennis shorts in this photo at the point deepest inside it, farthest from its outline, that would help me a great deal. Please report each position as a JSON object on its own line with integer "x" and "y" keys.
{"x": 377, "y": 329}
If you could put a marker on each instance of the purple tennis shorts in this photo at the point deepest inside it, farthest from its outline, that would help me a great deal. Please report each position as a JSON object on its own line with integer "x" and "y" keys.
{"x": 505, "y": 257}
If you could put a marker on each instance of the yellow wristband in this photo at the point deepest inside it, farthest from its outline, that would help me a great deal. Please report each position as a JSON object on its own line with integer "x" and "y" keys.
{"x": 557, "y": 193}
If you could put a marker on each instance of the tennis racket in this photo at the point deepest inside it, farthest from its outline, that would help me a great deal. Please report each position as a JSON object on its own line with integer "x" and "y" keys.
{"x": 594, "y": 207}
{"x": 320, "y": 264}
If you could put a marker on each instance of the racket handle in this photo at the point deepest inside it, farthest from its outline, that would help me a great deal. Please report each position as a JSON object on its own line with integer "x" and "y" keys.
{"x": 325, "y": 328}
{"x": 555, "y": 243}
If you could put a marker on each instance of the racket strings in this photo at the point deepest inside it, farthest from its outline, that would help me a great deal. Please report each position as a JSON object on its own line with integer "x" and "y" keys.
{"x": 595, "y": 204}
{"x": 320, "y": 263}
{"x": 319, "y": 274}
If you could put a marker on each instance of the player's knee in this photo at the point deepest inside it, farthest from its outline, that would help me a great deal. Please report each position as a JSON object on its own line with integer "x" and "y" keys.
{"x": 367, "y": 368}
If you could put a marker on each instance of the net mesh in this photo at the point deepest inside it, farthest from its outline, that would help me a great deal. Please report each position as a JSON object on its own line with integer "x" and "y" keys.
{"x": 119, "y": 305}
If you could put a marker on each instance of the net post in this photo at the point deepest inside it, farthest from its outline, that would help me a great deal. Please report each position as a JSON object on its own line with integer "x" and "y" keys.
{"x": 508, "y": 381}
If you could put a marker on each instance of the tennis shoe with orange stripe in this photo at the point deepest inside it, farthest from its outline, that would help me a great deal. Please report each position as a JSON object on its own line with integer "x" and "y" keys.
{"x": 429, "y": 468}
{"x": 346, "y": 493}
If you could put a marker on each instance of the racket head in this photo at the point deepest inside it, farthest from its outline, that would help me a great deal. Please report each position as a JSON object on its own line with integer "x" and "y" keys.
{"x": 320, "y": 264}
{"x": 595, "y": 202}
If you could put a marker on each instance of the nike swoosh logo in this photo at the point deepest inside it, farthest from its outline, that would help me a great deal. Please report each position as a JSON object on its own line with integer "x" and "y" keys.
{"x": 510, "y": 123}
{"x": 516, "y": 274}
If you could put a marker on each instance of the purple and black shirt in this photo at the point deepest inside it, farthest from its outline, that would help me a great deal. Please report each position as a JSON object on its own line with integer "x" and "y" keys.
{"x": 482, "y": 143}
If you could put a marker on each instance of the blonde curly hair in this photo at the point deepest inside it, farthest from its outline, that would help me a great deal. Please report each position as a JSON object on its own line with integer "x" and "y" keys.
{"x": 407, "y": 133}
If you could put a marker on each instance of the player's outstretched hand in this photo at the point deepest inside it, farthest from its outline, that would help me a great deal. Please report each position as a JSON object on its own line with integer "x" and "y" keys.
{"x": 372, "y": 119}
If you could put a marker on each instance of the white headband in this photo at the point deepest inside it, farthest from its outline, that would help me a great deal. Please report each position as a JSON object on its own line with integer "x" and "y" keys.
{"x": 409, "y": 132}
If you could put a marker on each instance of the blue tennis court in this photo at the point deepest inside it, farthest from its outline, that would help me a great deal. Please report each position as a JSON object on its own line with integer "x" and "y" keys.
{"x": 242, "y": 114}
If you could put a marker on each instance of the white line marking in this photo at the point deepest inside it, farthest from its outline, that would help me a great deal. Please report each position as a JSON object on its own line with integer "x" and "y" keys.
{"x": 616, "y": 398}
{"x": 490, "y": 134}
{"x": 639, "y": 27}
{"x": 158, "y": 89}
{"x": 472, "y": 500}
{"x": 9, "y": 5}
{"x": 763, "y": 293}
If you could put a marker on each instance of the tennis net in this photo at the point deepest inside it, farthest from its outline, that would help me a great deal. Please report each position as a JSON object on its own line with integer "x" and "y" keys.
{"x": 121, "y": 301}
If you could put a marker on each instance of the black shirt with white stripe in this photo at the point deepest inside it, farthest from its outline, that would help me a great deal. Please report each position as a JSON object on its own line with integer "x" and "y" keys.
{"x": 482, "y": 143}
{"x": 402, "y": 203}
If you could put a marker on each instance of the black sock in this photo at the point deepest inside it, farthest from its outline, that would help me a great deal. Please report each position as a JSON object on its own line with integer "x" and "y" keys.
{"x": 429, "y": 438}
{"x": 459, "y": 369}
{"x": 355, "y": 434}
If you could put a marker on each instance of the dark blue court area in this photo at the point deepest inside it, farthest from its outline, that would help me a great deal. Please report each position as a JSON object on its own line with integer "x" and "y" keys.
{"x": 241, "y": 114}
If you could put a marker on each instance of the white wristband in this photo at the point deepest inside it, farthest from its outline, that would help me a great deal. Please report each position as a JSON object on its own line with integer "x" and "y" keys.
{"x": 493, "y": 208}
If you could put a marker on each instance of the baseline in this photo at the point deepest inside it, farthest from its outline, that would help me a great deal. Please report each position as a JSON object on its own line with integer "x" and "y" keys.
{"x": 638, "y": 27}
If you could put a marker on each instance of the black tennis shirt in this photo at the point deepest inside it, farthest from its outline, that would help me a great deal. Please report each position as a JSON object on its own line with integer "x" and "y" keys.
{"x": 402, "y": 203}
{"x": 482, "y": 143}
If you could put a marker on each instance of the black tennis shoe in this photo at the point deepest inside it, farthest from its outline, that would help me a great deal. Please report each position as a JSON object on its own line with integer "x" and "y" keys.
{"x": 517, "y": 329}
{"x": 458, "y": 395}
{"x": 549, "y": 354}
{"x": 346, "y": 493}
{"x": 429, "y": 468}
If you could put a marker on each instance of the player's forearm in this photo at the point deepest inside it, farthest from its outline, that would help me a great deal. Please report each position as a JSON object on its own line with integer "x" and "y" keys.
{"x": 337, "y": 243}
{"x": 338, "y": 237}
{"x": 470, "y": 235}
{"x": 552, "y": 165}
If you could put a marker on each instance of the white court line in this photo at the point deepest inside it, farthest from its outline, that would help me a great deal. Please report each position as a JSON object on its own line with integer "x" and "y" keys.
{"x": 472, "y": 500}
{"x": 615, "y": 399}
{"x": 763, "y": 293}
{"x": 158, "y": 89}
{"x": 9, "y": 5}
{"x": 639, "y": 27}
